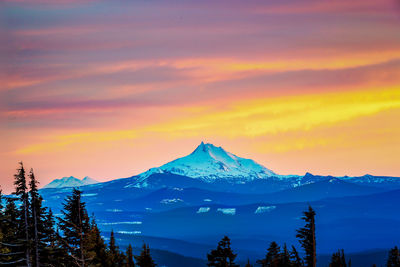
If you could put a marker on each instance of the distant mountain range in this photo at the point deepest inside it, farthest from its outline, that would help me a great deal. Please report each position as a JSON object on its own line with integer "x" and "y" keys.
{"x": 213, "y": 164}
{"x": 70, "y": 182}
{"x": 184, "y": 207}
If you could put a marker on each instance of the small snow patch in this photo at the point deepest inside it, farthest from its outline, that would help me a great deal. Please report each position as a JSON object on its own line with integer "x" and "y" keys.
{"x": 137, "y": 184}
{"x": 89, "y": 195}
{"x": 203, "y": 209}
{"x": 130, "y": 232}
{"x": 178, "y": 189}
{"x": 231, "y": 211}
{"x": 114, "y": 223}
{"x": 114, "y": 210}
{"x": 263, "y": 209}
{"x": 171, "y": 201}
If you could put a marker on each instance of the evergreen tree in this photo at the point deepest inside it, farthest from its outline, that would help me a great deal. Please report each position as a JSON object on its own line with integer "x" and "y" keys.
{"x": 272, "y": 256}
{"x": 36, "y": 209}
{"x": 129, "y": 257}
{"x": 54, "y": 253}
{"x": 12, "y": 250}
{"x": 248, "y": 263}
{"x": 21, "y": 192}
{"x": 307, "y": 238}
{"x": 75, "y": 227}
{"x": 393, "y": 258}
{"x": 4, "y": 248}
{"x": 145, "y": 259}
{"x": 41, "y": 228}
{"x": 338, "y": 259}
{"x": 116, "y": 257}
{"x": 223, "y": 256}
{"x": 97, "y": 249}
{"x": 295, "y": 258}
{"x": 284, "y": 259}
{"x": 1, "y": 202}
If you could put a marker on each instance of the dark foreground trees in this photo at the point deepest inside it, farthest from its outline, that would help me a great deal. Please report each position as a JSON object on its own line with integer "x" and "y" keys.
{"x": 339, "y": 260}
{"x": 21, "y": 191}
{"x": 223, "y": 255}
{"x": 393, "y": 257}
{"x": 27, "y": 228}
{"x": 116, "y": 257}
{"x": 29, "y": 236}
{"x": 145, "y": 259}
{"x": 84, "y": 246}
{"x": 277, "y": 257}
{"x": 129, "y": 257}
{"x": 307, "y": 238}
{"x": 75, "y": 228}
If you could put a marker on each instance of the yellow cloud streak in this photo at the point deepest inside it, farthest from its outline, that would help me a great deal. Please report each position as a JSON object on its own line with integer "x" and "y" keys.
{"x": 248, "y": 119}
{"x": 230, "y": 65}
{"x": 273, "y": 115}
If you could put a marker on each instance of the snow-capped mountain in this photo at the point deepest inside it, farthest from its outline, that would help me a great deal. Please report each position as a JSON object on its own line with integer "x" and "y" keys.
{"x": 70, "y": 182}
{"x": 209, "y": 162}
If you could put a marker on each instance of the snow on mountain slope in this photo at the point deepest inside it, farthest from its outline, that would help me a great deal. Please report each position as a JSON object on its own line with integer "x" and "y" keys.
{"x": 87, "y": 180}
{"x": 70, "y": 182}
{"x": 209, "y": 162}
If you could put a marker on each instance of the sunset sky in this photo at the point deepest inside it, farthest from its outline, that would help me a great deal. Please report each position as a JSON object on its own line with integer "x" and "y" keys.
{"x": 109, "y": 89}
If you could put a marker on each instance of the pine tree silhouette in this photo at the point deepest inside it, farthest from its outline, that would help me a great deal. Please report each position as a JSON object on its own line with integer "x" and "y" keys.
{"x": 295, "y": 258}
{"x": 307, "y": 238}
{"x": 129, "y": 257}
{"x": 97, "y": 249}
{"x": 272, "y": 256}
{"x": 53, "y": 253}
{"x": 223, "y": 256}
{"x": 36, "y": 209}
{"x": 75, "y": 226}
{"x": 248, "y": 263}
{"x": 12, "y": 249}
{"x": 145, "y": 259}
{"x": 116, "y": 257}
{"x": 45, "y": 247}
{"x": 338, "y": 259}
{"x": 22, "y": 193}
{"x": 393, "y": 258}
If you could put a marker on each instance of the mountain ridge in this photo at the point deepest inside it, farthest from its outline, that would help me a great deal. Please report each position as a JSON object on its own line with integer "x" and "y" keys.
{"x": 211, "y": 164}
{"x": 70, "y": 181}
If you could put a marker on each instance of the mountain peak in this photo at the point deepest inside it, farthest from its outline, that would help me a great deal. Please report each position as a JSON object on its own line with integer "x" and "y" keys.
{"x": 210, "y": 162}
{"x": 207, "y": 148}
{"x": 70, "y": 181}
